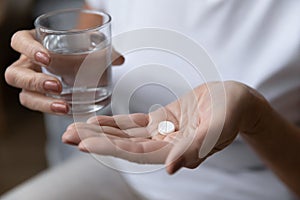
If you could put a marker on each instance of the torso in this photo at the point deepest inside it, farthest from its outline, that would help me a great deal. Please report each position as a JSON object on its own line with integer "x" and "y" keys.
{"x": 252, "y": 41}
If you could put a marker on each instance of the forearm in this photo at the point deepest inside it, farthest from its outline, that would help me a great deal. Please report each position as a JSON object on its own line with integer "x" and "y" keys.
{"x": 276, "y": 140}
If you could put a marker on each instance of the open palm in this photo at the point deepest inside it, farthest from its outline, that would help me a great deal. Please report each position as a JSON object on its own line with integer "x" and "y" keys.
{"x": 205, "y": 123}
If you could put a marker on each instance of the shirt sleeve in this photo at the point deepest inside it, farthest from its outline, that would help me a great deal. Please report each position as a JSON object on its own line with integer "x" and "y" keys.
{"x": 97, "y": 4}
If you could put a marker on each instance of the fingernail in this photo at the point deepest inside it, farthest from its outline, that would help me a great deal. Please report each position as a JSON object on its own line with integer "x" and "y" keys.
{"x": 82, "y": 147}
{"x": 119, "y": 60}
{"x": 52, "y": 86}
{"x": 68, "y": 138}
{"x": 60, "y": 108}
{"x": 43, "y": 58}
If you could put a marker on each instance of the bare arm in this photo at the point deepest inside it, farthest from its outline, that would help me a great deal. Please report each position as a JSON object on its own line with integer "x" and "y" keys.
{"x": 276, "y": 140}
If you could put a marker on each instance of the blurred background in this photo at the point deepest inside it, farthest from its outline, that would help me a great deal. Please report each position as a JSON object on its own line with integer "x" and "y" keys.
{"x": 22, "y": 132}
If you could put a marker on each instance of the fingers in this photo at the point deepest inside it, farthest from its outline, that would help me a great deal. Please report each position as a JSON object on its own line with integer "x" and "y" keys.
{"x": 21, "y": 75}
{"x": 150, "y": 151}
{"x": 182, "y": 162}
{"x": 137, "y": 125}
{"x": 26, "y": 74}
{"x": 40, "y": 102}
{"x": 25, "y": 43}
{"x": 117, "y": 58}
{"x": 185, "y": 152}
{"x": 142, "y": 132}
{"x": 134, "y": 125}
{"x": 77, "y": 132}
{"x": 121, "y": 121}
{"x": 178, "y": 159}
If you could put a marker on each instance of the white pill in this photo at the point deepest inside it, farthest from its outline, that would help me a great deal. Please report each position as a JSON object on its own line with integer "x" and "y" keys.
{"x": 166, "y": 127}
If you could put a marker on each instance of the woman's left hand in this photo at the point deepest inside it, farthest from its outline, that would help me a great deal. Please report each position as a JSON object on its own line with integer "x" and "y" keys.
{"x": 202, "y": 113}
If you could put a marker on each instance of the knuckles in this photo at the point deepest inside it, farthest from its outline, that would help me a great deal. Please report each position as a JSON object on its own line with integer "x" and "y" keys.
{"x": 32, "y": 84}
{"x": 26, "y": 100}
{"x": 20, "y": 42}
{"x": 14, "y": 78}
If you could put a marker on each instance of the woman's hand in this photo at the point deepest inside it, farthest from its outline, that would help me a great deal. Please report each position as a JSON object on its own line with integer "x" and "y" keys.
{"x": 196, "y": 116}
{"x": 27, "y": 75}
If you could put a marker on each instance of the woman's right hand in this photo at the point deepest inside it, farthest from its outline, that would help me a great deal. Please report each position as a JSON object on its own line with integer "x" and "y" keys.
{"x": 27, "y": 75}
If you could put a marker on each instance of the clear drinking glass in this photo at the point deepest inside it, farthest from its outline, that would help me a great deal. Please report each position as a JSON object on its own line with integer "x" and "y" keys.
{"x": 79, "y": 43}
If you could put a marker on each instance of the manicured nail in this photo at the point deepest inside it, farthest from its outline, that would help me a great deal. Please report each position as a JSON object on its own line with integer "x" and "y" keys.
{"x": 52, "y": 86}
{"x": 119, "y": 60}
{"x": 60, "y": 108}
{"x": 42, "y": 58}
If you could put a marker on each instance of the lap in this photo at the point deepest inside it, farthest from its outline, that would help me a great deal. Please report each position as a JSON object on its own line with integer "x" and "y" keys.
{"x": 81, "y": 177}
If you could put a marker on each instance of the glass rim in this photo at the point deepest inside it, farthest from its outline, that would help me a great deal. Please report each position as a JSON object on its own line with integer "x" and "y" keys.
{"x": 56, "y": 12}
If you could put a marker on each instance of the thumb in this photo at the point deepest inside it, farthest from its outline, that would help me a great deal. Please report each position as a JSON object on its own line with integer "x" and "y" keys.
{"x": 117, "y": 58}
{"x": 177, "y": 156}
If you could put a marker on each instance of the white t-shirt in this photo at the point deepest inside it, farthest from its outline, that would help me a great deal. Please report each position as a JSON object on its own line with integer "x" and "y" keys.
{"x": 256, "y": 42}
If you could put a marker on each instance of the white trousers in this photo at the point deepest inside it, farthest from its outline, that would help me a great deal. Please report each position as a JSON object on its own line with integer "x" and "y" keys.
{"x": 83, "y": 177}
{"x": 233, "y": 174}
{"x": 80, "y": 177}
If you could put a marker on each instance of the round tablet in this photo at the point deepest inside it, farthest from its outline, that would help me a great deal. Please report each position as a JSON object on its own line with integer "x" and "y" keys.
{"x": 166, "y": 127}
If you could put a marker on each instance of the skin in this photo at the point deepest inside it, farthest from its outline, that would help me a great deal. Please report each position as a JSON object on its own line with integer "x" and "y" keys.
{"x": 26, "y": 74}
{"x": 134, "y": 137}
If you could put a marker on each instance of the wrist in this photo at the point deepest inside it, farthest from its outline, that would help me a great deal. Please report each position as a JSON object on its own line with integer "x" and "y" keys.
{"x": 256, "y": 113}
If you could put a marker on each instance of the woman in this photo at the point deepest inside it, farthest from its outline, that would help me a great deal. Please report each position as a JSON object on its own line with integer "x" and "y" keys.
{"x": 253, "y": 42}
